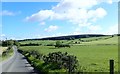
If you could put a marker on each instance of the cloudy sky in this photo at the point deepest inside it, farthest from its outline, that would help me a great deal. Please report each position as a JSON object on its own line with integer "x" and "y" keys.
{"x": 22, "y": 20}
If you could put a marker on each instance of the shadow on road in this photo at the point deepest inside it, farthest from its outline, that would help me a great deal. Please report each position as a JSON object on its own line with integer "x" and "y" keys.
{"x": 23, "y": 57}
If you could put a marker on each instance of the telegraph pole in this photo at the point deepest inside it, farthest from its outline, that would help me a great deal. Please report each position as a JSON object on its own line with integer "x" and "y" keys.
{"x": 7, "y": 42}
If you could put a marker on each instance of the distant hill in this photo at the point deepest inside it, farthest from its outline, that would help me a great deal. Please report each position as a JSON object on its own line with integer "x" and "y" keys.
{"x": 69, "y": 37}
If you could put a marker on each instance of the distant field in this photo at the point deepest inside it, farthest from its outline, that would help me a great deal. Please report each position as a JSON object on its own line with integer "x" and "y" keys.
{"x": 93, "y": 56}
{"x": 100, "y": 41}
{"x": 38, "y": 41}
{"x": 110, "y": 41}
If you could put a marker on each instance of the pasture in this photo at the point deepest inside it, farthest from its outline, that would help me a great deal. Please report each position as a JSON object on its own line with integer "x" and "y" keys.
{"x": 93, "y": 56}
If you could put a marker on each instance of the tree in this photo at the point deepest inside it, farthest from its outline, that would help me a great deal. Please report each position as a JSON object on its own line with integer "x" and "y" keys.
{"x": 58, "y": 43}
{"x": 10, "y": 42}
{"x": 16, "y": 43}
{"x": 70, "y": 62}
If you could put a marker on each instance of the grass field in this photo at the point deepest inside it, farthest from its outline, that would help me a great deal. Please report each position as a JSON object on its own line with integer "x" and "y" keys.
{"x": 93, "y": 56}
{"x": 110, "y": 41}
{"x": 38, "y": 41}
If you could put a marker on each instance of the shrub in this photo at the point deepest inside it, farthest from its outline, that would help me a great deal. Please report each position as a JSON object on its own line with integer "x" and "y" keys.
{"x": 60, "y": 60}
{"x": 7, "y": 51}
{"x": 53, "y": 61}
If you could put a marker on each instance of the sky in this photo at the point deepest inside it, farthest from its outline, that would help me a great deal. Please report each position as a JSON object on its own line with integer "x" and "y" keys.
{"x": 24, "y": 20}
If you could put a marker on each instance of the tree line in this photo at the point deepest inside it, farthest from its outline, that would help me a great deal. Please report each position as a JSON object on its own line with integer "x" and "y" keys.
{"x": 7, "y": 43}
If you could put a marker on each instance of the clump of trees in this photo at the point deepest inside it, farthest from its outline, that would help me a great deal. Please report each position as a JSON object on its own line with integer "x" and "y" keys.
{"x": 52, "y": 61}
{"x": 60, "y": 44}
{"x": 7, "y": 43}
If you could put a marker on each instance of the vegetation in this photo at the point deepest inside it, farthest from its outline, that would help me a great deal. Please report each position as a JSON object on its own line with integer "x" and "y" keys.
{"x": 51, "y": 62}
{"x": 59, "y": 44}
{"x": 7, "y": 46}
{"x": 7, "y": 43}
{"x": 7, "y": 53}
{"x": 93, "y": 56}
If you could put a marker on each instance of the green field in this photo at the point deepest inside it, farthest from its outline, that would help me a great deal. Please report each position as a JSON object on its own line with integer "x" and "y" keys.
{"x": 38, "y": 41}
{"x": 93, "y": 56}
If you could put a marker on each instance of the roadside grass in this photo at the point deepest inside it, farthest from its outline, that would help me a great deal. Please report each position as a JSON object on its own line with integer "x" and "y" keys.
{"x": 9, "y": 54}
{"x": 1, "y": 51}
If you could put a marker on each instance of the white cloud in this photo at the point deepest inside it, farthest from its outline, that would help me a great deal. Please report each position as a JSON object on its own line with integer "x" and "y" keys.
{"x": 42, "y": 23}
{"x": 77, "y": 12}
{"x": 51, "y": 28}
{"x": 40, "y": 16}
{"x": 94, "y": 27}
{"x": 8, "y": 13}
{"x": 76, "y": 33}
{"x": 110, "y": 1}
{"x": 71, "y": 4}
{"x": 98, "y": 13}
{"x": 112, "y": 30}
{"x": 2, "y": 35}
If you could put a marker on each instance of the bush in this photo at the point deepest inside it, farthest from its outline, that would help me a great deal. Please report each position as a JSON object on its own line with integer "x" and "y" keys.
{"x": 53, "y": 61}
{"x": 60, "y": 60}
{"x": 7, "y": 51}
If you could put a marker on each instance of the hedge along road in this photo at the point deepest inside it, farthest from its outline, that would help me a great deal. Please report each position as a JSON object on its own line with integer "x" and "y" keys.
{"x": 16, "y": 63}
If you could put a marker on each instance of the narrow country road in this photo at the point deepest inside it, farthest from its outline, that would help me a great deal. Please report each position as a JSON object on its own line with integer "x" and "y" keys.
{"x": 16, "y": 63}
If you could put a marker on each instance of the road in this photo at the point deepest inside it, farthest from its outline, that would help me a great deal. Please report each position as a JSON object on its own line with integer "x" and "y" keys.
{"x": 17, "y": 63}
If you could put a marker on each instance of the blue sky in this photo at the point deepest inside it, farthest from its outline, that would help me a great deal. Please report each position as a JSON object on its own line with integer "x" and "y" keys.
{"x": 22, "y": 20}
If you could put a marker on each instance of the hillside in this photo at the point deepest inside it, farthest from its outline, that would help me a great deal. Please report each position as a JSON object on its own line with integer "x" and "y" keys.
{"x": 69, "y": 37}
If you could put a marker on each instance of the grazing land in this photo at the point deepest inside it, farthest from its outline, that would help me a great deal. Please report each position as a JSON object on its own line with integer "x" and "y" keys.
{"x": 92, "y": 53}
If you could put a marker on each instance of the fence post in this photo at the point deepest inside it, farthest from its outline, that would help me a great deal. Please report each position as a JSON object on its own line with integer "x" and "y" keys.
{"x": 111, "y": 66}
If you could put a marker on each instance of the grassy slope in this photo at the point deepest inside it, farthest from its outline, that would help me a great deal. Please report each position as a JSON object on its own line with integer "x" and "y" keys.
{"x": 93, "y": 57}
{"x": 111, "y": 41}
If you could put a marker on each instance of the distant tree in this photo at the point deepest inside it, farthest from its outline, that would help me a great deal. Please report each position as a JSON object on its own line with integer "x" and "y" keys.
{"x": 16, "y": 43}
{"x": 10, "y": 42}
{"x": 76, "y": 42}
{"x": 72, "y": 38}
{"x": 58, "y": 43}
{"x": 7, "y": 42}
